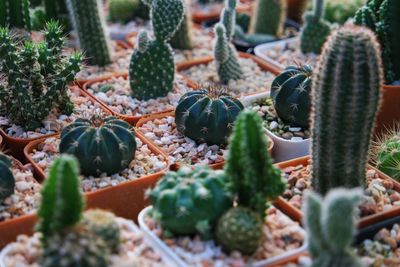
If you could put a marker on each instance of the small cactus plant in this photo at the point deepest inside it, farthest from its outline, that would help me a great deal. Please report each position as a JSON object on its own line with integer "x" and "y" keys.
{"x": 152, "y": 69}
{"x": 122, "y": 10}
{"x": 7, "y": 179}
{"x": 330, "y": 234}
{"x": 315, "y": 31}
{"x": 15, "y": 13}
{"x": 269, "y": 17}
{"x": 207, "y": 115}
{"x": 88, "y": 20}
{"x": 183, "y": 38}
{"x": 101, "y": 145}
{"x": 290, "y": 93}
{"x": 191, "y": 201}
{"x": 344, "y": 108}
{"x": 36, "y": 77}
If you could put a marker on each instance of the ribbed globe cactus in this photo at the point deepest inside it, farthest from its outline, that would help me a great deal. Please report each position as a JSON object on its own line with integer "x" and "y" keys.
{"x": 101, "y": 145}
{"x": 7, "y": 179}
{"x": 290, "y": 93}
{"x": 269, "y": 17}
{"x": 191, "y": 201}
{"x": 207, "y": 115}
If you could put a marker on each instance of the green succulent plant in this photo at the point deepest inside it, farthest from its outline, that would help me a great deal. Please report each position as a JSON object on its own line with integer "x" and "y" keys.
{"x": 183, "y": 37}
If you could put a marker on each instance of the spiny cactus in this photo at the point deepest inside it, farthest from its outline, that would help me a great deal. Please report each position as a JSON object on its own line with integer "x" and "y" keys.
{"x": 7, "y": 180}
{"x": 315, "y": 31}
{"x": 290, "y": 93}
{"x": 269, "y": 17}
{"x": 152, "y": 69}
{"x": 240, "y": 229}
{"x": 330, "y": 233}
{"x": 103, "y": 224}
{"x": 88, "y": 20}
{"x": 228, "y": 18}
{"x": 15, "y": 13}
{"x": 249, "y": 166}
{"x": 346, "y": 95}
{"x": 57, "y": 10}
{"x": 36, "y": 77}
{"x": 183, "y": 37}
{"x": 101, "y": 145}
{"x": 122, "y": 10}
{"x": 365, "y": 16}
{"x": 207, "y": 115}
{"x": 191, "y": 201}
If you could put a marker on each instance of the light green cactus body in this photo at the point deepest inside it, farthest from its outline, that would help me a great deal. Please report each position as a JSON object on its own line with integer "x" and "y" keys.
{"x": 7, "y": 179}
{"x": 88, "y": 20}
{"x": 345, "y": 104}
{"x": 15, "y": 13}
{"x": 330, "y": 234}
{"x": 122, "y": 10}
{"x": 365, "y": 16}
{"x": 386, "y": 154}
{"x": 269, "y": 17}
{"x": 183, "y": 37}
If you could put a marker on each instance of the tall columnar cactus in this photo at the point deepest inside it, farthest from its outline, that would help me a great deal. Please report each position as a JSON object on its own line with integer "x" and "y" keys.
{"x": 228, "y": 18}
{"x": 15, "y": 13}
{"x": 330, "y": 233}
{"x": 7, "y": 179}
{"x": 315, "y": 31}
{"x": 207, "y": 115}
{"x": 152, "y": 69}
{"x": 346, "y": 95}
{"x": 191, "y": 201}
{"x": 269, "y": 17}
{"x": 36, "y": 77}
{"x": 290, "y": 93}
{"x": 183, "y": 37}
{"x": 88, "y": 20}
{"x": 101, "y": 145}
{"x": 57, "y": 10}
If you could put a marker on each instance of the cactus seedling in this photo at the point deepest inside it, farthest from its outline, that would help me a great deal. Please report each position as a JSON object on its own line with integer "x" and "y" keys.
{"x": 101, "y": 145}
{"x": 269, "y": 17}
{"x": 7, "y": 180}
{"x": 15, "y": 13}
{"x": 207, "y": 115}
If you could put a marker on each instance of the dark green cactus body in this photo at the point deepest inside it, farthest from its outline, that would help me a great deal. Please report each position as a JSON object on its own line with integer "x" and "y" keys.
{"x": 191, "y": 201}
{"x": 269, "y": 17}
{"x": 122, "y": 10}
{"x": 290, "y": 93}
{"x": 375, "y": 5}
{"x": 57, "y": 10}
{"x": 88, "y": 20}
{"x": 15, "y": 13}
{"x": 387, "y": 155}
{"x": 207, "y": 116}
{"x": 7, "y": 180}
{"x": 166, "y": 17}
{"x": 240, "y": 229}
{"x": 183, "y": 38}
{"x": 345, "y": 99}
{"x": 100, "y": 145}
{"x": 365, "y": 16}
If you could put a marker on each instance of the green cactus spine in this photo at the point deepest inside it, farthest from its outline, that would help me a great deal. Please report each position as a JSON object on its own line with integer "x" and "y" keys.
{"x": 152, "y": 69}
{"x": 330, "y": 234}
{"x": 15, "y": 13}
{"x": 191, "y": 201}
{"x": 269, "y": 17}
{"x": 365, "y": 16}
{"x": 290, "y": 93}
{"x": 207, "y": 115}
{"x": 122, "y": 10}
{"x": 101, "y": 145}
{"x": 183, "y": 37}
{"x": 249, "y": 166}
{"x": 88, "y": 20}
{"x": 240, "y": 229}
{"x": 344, "y": 108}
{"x": 7, "y": 180}
{"x": 315, "y": 31}
{"x": 37, "y": 77}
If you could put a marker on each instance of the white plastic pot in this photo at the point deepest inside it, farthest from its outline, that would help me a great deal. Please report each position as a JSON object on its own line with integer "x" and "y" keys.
{"x": 179, "y": 262}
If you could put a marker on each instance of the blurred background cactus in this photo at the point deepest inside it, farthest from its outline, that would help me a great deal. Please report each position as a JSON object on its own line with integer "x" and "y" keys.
{"x": 269, "y": 17}
{"x": 7, "y": 179}
{"x": 15, "y": 14}
{"x": 122, "y": 10}
{"x": 183, "y": 37}
{"x": 345, "y": 105}
{"x": 57, "y": 10}
{"x": 340, "y": 11}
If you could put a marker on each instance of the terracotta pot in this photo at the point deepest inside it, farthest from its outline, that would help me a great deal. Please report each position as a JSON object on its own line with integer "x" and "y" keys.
{"x": 296, "y": 9}
{"x": 200, "y": 16}
{"x": 363, "y": 222}
{"x": 389, "y": 113}
{"x": 126, "y": 199}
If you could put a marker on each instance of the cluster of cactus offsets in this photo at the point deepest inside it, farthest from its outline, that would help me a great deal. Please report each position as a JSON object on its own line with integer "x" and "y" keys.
{"x": 7, "y": 179}
{"x": 101, "y": 145}
{"x": 207, "y": 115}
{"x": 152, "y": 69}
{"x": 269, "y": 17}
{"x": 183, "y": 38}
{"x": 88, "y": 20}
{"x": 15, "y": 13}
{"x": 330, "y": 225}
{"x": 290, "y": 93}
{"x": 36, "y": 77}
{"x": 315, "y": 31}
{"x": 345, "y": 104}
{"x": 249, "y": 166}
{"x": 191, "y": 201}
{"x": 122, "y": 10}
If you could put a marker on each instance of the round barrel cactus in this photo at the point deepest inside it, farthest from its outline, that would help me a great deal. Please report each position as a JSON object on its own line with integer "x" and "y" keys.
{"x": 7, "y": 180}
{"x": 191, "y": 201}
{"x": 207, "y": 115}
{"x": 290, "y": 93}
{"x": 101, "y": 145}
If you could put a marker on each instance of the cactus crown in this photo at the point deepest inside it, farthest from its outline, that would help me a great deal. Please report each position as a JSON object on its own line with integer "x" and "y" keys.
{"x": 36, "y": 77}
{"x": 15, "y": 13}
{"x": 330, "y": 234}
{"x": 7, "y": 180}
